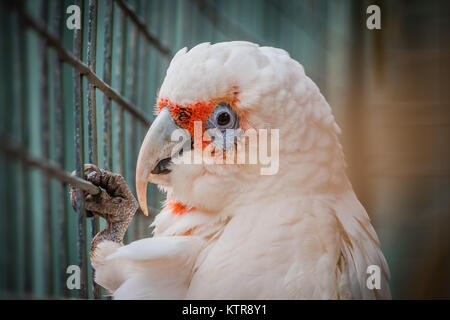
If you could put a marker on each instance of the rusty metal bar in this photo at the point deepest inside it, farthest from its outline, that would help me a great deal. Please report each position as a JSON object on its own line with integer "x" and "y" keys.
{"x": 145, "y": 60}
{"x": 91, "y": 98}
{"x": 14, "y": 151}
{"x": 14, "y": 241}
{"x": 143, "y": 97}
{"x": 25, "y": 141}
{"x": 120, "y": 74}
{"x": 92, "y": 113}
{"x": 9, "y": 216}
{"x": 79, "y": 150}
{"x": 80, "y": 70}
{"x": 59, "y": 155}
{"x": 120, "y": 119}
{"x": 80, "y": 67}
{"x": 107, "y": 125}
{"x": 136, "y": 128}
{"x": 132, "y": 90}
{"x": 141, "y": 25}
{"x": 45, "y": 146}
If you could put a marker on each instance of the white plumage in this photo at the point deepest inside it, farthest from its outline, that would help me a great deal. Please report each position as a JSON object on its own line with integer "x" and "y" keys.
{"x": 299, "y": 234}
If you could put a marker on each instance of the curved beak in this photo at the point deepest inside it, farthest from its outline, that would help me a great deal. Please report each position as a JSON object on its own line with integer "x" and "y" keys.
{"x": 155, "y": 155}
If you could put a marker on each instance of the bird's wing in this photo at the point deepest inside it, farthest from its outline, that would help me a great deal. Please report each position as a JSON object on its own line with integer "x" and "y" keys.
{"x": 152, "y": 268}
{"x": 360, "y": 248}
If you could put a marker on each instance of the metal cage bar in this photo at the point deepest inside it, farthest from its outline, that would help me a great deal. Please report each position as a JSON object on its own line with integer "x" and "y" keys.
{"x": 107, "y": 117}
{"x": 142, "y": 80}
{"x": 59, "y": 152}
{"x": 50, "y": 37}
{"x": 80, "y": 67}
{"x": 120, "y": 117}
{"x": 141, "y": 25}
{"x": 132, "y": 91}
{"x": 13, "y": 151}
{"x": 45, "y": 147}
{"x": 92, "y": 111}
{"x": 25, "y": 142}
{"x": 79, "y": 149}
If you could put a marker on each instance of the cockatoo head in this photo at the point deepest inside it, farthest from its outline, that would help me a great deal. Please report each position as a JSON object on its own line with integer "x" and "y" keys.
{"x": 224, "y": 90}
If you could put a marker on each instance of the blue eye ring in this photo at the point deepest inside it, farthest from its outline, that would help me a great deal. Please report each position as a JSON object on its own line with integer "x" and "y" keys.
{"x": 222, "y": 125}
{"x": 222, "y": 118}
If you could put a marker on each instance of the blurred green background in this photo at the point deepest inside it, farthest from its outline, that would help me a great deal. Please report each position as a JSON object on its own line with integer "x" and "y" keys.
{"x": 388, "y": 89}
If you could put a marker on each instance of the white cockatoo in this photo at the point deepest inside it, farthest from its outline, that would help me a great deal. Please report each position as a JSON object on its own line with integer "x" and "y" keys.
{"x": 230, "y": 231}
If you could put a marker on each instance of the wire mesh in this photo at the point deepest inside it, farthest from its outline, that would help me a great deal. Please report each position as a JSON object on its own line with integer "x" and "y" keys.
{"x": 54, "y": 135}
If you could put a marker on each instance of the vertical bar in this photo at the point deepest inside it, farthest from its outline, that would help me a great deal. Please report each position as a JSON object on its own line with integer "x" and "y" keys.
{"x": 17, "y": 220}
{"x": 59, "y": 154}
{"x": 107, "y": 141}
{"x": 143, "y": 99}
{"x": 79, "y": 150}
{"x": 132, "y": 123}
{"x": 120, "y": 73}
{"x": 10, "y": 206}
{"x": 45, "y": 145}
{"x": 92, "y": 112}
{"x": 25, "y": 141}
{"x": 107, "y": 127}
{"x": 3, "y": 170}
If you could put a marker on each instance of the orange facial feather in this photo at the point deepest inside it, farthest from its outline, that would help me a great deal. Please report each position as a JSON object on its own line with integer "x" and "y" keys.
{"x": 186, "y": 115}
{"x": 176, "y": 207}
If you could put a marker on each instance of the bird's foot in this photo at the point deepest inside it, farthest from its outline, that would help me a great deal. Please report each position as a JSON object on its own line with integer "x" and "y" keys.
{"x": 115, "y": 203}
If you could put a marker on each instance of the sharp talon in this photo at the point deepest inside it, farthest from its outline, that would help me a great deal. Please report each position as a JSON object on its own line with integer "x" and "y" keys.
{"x": 91, "y": 167}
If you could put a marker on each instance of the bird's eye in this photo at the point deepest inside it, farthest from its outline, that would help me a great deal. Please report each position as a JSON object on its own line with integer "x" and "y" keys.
{"x": 222, "y": 126}
{"x": 223, "y": 118}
